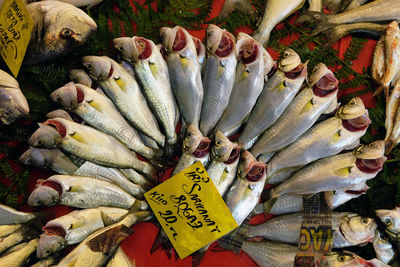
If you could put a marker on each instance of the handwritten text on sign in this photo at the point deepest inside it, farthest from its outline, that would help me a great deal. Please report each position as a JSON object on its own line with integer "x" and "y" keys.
{"x": 190, "y": 210}
{"x": 15, "y": 33}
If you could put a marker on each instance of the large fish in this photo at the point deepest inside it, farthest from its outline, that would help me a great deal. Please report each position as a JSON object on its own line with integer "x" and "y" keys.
{"x": 383, "y": 248}
{"x": 235, "y": 5}
{"x": 152, "y": 73}
{"x": 347, "y": 259}
{"x": 392, "y": 137}
{"x": 275, "y": 12}
{"x": 80, "y": 192}
{"x": 245, "y": 192}
{"x": 59, "y": 113}
{"x": 18, "y": 256}
{"x": 249, "y": 81}
{"x": 342, "y": 171}
{"x": 392, "y": 106}
{"x": 391, "y": 218}
{"x": 224, "y": 162}
{"x": 124, "y": 91}
{"x": 276, "y": 95}
{"x": 301, "y": 114}
{"x": 218, "y": 77}
{"x": 327, "y": 138}
{"x": 74, "y": 227}
{"x": 53, "y": 159}
{"x": 378, "y": 61}
{"x": 87, "y": 143}
{"x": 13, "y": 104}
{"x": 80, "y": 76}
{"x": 9, "y": 215}
{"x": 348, "y": 229}
{"x": 57, "y": 29}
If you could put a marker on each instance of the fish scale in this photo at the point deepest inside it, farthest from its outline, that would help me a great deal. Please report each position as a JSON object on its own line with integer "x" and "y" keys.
{"x": 270, "y": 254}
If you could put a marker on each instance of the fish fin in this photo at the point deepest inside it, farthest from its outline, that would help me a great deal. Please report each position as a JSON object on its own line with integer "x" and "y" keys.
{"x": 162, "y": 241}
{"x": 94, "y": 105}
{"x": 121, "y": 84}
{"x": 184, "y": 62}
{"x": 336, "y": 136}
{"x": 270, "y": 202}
{"x": 309, "y": 105}
{"x": 244, "y": 75}
{"x": 378, "y": 90}
{"x": 197, "y": 257}
{"x": 389, "y": 147}
{"x": 343, "y": 171}
{"x": 154, "y": 70}
{"x": 220, "y": 70}
{"x": 77, "y": 137}
{"x": 107, "y": 241}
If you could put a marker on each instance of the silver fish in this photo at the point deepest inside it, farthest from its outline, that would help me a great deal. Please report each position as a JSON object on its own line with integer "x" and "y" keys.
{"x": 391, "y": 107}
{"x": 82, "y": 3}
{"x": 249, "y": 81}
{"x": 327, "y": 138}
{"x": 152, "y": 73}
{"x": 277, "y": 94}
{"x": 301, "y": 114}
{"x": 74, "y": 227}
{"x": 89, "y": 144}
{"x": 137, "y": 178}
{"x": 185, "y": 72}
{"x": 245, "y": 192}
{"x": 58, "y": 28}
{"x": 80, "y": 192}
{"x": 378, "y": 61}
{"x": 9, "y": 215}
{"x": 351, "y": 4}
{"x": 391, "y": 218}
{"x": 13, "y": 104}
{"x": 315, "y": 5}
{"x": 59, "y": 113}
{"x": 53, "y": 159}
{"x": 19, "y": 257}
{"x": 275, "y": 12}
{"x": 200, "y": 52}
{"x": 120, "y": 260}
{"x": 347, "y": 259}
{"x": 218, "y": 77}
{"x": 338, "y": 197}
{"x": 383, "y": 248}
{"x": 124, "y": 91}
{"x": 80, "y": 76}
{"x": 224, "y": 161}
{"x": 235, "y": 5}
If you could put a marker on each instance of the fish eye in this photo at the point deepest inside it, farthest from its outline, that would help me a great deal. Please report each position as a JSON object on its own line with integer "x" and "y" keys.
{"x": 315, "y": 69}
{"x": 88, "y": 66}
{"x": 372, "y": 144}
{"x": 208, "y": 34}
{"x": 352, "y": 102}
{"x": 39, "y": 142}
{"x": 66, "y": 32}
{"x": 364, "y": 220}
{"x": 341, "y": 258}
{"x": 388, "y": 221}
{"x": 286, "y": 54}
{"x": 217, "y": 142}
{"x": 120, "y": 48}
{"x": 188, "y": 134}
{"x": 29, "y": 161}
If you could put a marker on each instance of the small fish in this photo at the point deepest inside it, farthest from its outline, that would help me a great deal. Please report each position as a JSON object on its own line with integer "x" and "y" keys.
{"x": 347, "y": 259}
{"x": 19, "y": 257}
{"x": 275, "y": 12}
{"x": 13, "y": 104}
{"x": 53, "y": 159}
{"x": 351, "y": 4}
{"x": 87, "y": 143}
{"x": 80, "y": 192}
{"x": 57, "y": 29}
{"x": 74, "y": 227}
{"x": 80, "y": 76}
{"x": 391, "y": 218}
{"x": 301, "y": 114}
{"x": 315, "y": 5}
{"x": 120, "y": 259}
{"x": 137, "y": 178}
{"x": 184, "y": 71}
{"x": 378, "y": 62}
{"x": 8, "y": 229}
{"x": 392, "y": 106}
{"x": 392, "y": 137}
{"x": 382, "y": 247}
{"x": 245, "y": 192}
{"x": 83, "y": 3}
{"x": 218, "y": 77}
{"x": 24, "y": 233}
{"x": 235, "y": 5}
{"x": 124, "y": 91}
{"x": 249, "y": 81}
{"x": 277, "y": 94}
{"x": 9, "y": 215}
{"x": 59, "y": 113}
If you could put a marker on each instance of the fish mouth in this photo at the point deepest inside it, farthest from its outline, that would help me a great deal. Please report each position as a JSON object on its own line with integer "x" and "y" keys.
{"x": 248, "y": 51}
{"x": 233, "y": 156}
{"x": 179, "y": 40}
{"x": 53, "y": 185}
{"x": 326, "y": 85}
{"x": 357, "y": 124}
{"x": 202, "y": 149}
{"x": 273, "y": 70}
{"x": 225, "y": 46}
{"x": 356, "y": 192}
{"x": 198, "y": 46}
{"x": 256, "y": 172}
{"x": 141, "y": 48}
{"x": 54, "y": 230}
{"x": 370, "y": 165}
{"x": 61, "y": 129}
{"x": 296, "y": 72}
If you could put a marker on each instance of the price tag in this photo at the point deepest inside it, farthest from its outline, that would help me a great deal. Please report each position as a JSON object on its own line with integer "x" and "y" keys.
{"x": 15, "y": 33}
{"x": 190, "y": 210}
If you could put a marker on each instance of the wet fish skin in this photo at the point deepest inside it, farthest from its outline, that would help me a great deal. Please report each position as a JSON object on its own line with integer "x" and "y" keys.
{"x": 391, "y": 107}
{"x": 23, "y": 234}
{"x": 351, "y": 4}
{"x": 383, "y": 248}
{"x": 8, "y": 229}
{"x": 47, "y": 262}
{"x": 120, "y": 259}
{"x": 13, "y": 103}
{"x": 315, "y": 5}
{"x": 18, "y": 258}
{"x": 346, "y": 258}
{"x": 394, "y": 136}
{"x": 391, "y": 218}
{"x": 9, "y": 215}
{"x": 58, "y": 28}
{"x": 59, "y": 113}
{"x": 233, "y": 5}
{"x": 218, "y": 76}
{"x": 200, "y": 52}
{"x": 378, "y": 61}
{"x": 137, "y": 178}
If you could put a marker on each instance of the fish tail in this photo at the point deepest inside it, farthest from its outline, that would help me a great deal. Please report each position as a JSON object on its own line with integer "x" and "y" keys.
{"x": 162, "y": 241}
{"x": 319, "y": 18}
{"x": 198, "y": 256}
{"x": 262, "y": 37}
{"x": 379, "y": 90}
{"x": 389, "y": 147}
{"x": 270, "y": 202}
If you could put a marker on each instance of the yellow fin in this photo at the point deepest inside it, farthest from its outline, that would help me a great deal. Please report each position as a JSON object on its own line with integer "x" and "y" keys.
{"x": 343, "y": 171}
{"x": 94, "y": 105}
{"x": 279, "y": 87}
{"x": 220, "y": 71}
{"x": 121, "y": 84}
{"x": 154, "y": 70}
{"x": 336, "y": 137}
{"x": 244, "y": 75}
{"x": 78, "y": 137}
{"x": 223, "y": 176}
{"x": 308, "y": 106}
{"x": 184, "y": 62}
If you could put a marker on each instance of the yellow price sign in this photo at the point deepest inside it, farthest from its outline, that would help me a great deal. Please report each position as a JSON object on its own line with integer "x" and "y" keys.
{"x": 190, "y": 210}
{"x": 15, "y": 33}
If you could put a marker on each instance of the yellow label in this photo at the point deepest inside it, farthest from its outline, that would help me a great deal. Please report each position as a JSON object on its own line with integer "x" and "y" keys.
{"x": 190, "y": 210}
{"x": 15, "y": 33}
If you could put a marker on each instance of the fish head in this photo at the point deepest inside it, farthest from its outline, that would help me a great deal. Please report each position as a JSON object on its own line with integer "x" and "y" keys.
{"x": 80, "y": 76}
{"x": 200, "y": 47}
{"x": 251, "y": 169}
{"x": 66, "y": 96}
{"x": 59, "y": 113}
{"x": 373, "y": 150}
{"x": 248, "y": 49}
{"x": 176, "y": 39}
{"x": 45, "y": 193}
{"x": 125, "y": 47}
{"x": 341, "y": 259}
{"x": 289, "y": 60}
{"x": 46, "y": 136}
{"x": 270, "y": 65}
{"x": 99, "y": 68}
{"x": 338, "y": 197}
{"x": 33, "y": 157}
{"x": 219, "y": 42}
{"x": 194, "y": 142}
{"x": 49, "y": 244}
{"x": 353, "y": 109}
{"x": 392, "y": 29}
{"x": 391, "y": 218}
{"x": 357, "y": 229}
{"x": 323, "y": 78}
{"x": 141, "y": 48}
{"x": 222, "y": 147}
{"x": 381, "y": 242}
{"x": 13, "y": 105}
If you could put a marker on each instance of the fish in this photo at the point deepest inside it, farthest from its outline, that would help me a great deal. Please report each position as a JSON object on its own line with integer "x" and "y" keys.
{"x": 218, "y": 77}
{"x": 235, "y": 5}
{"x": 338, "y": 197}
{"x": 382, "y": 247}
{"x": 47, "y": 262}
{"x": 200, "y": 51}
{"x": 391, "y": 107}
{"x": 315, "y": 5}
{"x": 59, "y": 113}
{"x": 58, "y": 28}
{"x": 324, "y": 139}
{"x": 270, "y": 254}
{"x": 137, "y": 178}
{"x": 301, "y": 114}
{"x": 342, "y": 171}
{"x": 53, "y": 159}
{"x": 275, "y": 12}
{"x": 10, "y": 215}
{"x": 124, "y": 91}
{"x": 196, "y": 147}
{"x": 245, "y": 192}
{"x": 348, "y": 229}
{"x": 347, "y": 258}
{"x": 80, "y": 76}
{"x": 249, "y": 81}
{"x": 224, "y": 162}
{"x": 391, "y": 219}
{"x": 99, "y": 112}
{"x": 8, "y": 229}
{"x": 87, "y": 143}
{"x": 19, "y": 257}
{"x": 114, "y": 176}
{"x": 378, "y": 61}
{"x": 80, "y": 192}
{"x": 152, "y": 73}
{"x": 394, "y": 134}
{"x": 74, "y": 227}
{"x": 83, "y": 3}
{"x": 13, "y": 104}
{"x": 277, "y": 94}
{"x": 184, "y": 72}
{"x": 351, "y": 4}
{"x": 120, "y": 259}
{"x": 23, "y": 234}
